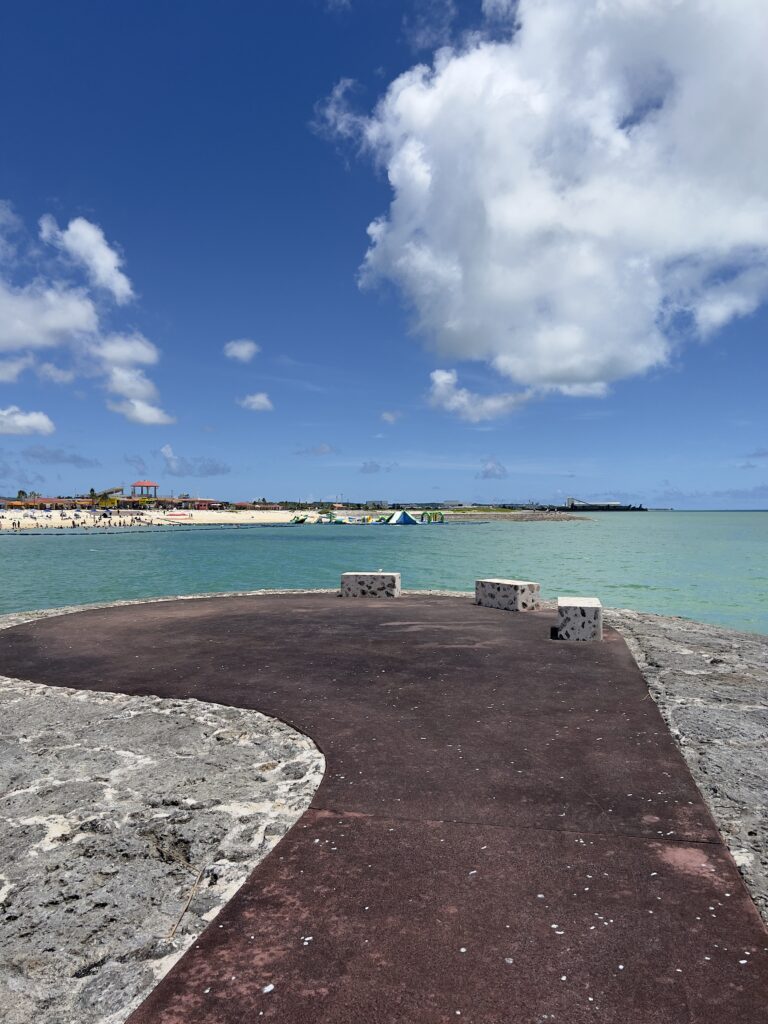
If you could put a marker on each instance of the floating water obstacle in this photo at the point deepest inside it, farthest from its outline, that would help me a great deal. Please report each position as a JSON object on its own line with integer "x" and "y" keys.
{"x": 398, "y": 518}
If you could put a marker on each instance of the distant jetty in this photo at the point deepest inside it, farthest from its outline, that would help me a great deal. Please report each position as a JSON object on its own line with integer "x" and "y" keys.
{"x": 574, "y": 505}
{"x": 577, "y": 505}
{"x": 571, "y": 505}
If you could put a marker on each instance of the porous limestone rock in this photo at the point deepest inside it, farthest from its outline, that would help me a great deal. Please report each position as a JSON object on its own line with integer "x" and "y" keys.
{"x": 114, "y": 812}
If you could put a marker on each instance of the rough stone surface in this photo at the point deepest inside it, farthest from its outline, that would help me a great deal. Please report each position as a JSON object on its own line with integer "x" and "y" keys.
{"x": 711, "y": 685}
{"x": 579, "y": 618}
{"x": 116, "y": 811}
{"x": 508, "y": 595}
{"x": 370, "y": 584}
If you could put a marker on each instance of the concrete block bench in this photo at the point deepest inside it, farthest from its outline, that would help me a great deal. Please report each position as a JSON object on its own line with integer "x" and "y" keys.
{"x": 579, "y": 618}
{"x": 370, "y": 584}
{"x": 509, "y": 595}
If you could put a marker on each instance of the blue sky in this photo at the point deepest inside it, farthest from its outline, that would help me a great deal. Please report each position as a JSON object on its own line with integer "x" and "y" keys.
{"x": 565, "y": 294}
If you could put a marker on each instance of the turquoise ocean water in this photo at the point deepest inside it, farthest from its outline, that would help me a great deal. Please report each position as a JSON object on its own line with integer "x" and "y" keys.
{"x": 711, "y": 566}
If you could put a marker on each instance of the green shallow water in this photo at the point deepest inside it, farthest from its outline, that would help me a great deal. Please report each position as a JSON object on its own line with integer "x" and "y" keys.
{"x": 710, "y": 566}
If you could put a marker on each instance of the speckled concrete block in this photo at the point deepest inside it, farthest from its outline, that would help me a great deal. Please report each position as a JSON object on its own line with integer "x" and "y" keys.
{"x": 370, "y": 584}
{"x": 579, "y": 618}
{"x": 509, "y": 595}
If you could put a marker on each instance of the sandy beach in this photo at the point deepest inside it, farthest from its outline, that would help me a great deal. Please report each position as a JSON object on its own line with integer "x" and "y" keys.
{"x": 96, "y": 520}
{"x": 56, "y": 520}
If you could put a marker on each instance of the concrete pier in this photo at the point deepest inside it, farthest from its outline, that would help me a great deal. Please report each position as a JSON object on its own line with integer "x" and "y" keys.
{"x": 505, "y": 824}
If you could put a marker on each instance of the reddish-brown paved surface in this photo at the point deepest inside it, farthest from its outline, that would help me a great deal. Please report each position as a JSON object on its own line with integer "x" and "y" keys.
{"x": 506, "y": 832}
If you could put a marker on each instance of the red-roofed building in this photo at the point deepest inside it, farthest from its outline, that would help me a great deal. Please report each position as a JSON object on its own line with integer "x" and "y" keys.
{"x": 144, "y": 489}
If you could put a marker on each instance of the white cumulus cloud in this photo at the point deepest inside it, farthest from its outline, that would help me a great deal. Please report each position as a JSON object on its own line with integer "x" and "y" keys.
{"x": 241, "y": 349}
{"x": 11, "y": 369}
{"x": 258, "y": 402}
{"x": 122, "y": 357}
{"x": 85, "y": 243}
{"x": 571, "y": 201}
{"x": 468, "y": 405}
{"x": 138, "y": 410}
{"x": 125, "y": 349}
{"x": 14, "y": 421}
{"x": 56, "y": 374}
{"x": 49, "y": 312}
{"x": 131, "y": 382}
{"x": 43, "y": 314}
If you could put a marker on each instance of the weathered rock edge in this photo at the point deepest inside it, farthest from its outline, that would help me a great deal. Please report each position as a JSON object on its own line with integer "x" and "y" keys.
{"x": 126, "y": 824}
{"x": 711, "y": 685}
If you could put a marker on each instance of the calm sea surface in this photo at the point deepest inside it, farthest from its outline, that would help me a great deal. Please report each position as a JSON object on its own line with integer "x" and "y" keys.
{"x": 711, "y": 566}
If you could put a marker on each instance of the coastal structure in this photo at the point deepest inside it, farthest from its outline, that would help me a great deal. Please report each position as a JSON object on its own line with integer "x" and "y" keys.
{"x": 577, "y": 504}
{"x": 531, "y": 788}
{"x": 144, "y": 495}
{"x": 144, "y": 489}
{"x": 148, "y": 494}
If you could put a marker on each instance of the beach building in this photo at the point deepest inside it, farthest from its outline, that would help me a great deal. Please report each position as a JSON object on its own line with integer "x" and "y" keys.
{"x": 41, "y": 504}
{"x": 144, "y": 489}
{"x": 144, "y": 496}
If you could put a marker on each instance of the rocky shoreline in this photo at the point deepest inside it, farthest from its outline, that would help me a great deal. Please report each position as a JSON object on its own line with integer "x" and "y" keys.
{"x": 126, "y": 824}
{"x": 711, "y": 685}
{"x": 88, "y": 791}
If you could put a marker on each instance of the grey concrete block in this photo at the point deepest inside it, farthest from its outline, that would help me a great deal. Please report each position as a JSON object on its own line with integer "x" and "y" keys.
{"x": 509, "y": 595}
{"x": 579, "y": 618}
{"x": 370, "y": 584}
